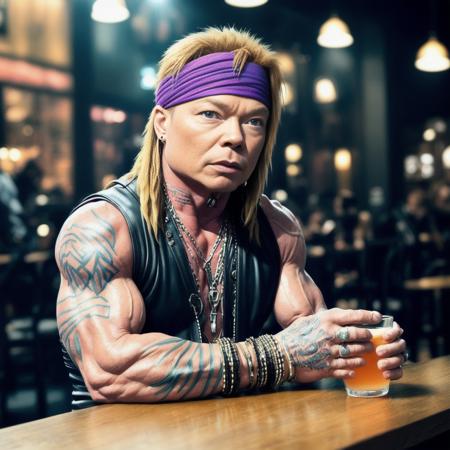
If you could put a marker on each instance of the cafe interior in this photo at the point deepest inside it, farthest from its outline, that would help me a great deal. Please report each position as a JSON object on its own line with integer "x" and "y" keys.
{"x": 362, "y": 157}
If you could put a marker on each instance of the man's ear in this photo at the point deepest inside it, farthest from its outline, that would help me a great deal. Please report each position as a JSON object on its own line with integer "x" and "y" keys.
{"x": 161, "y": 121}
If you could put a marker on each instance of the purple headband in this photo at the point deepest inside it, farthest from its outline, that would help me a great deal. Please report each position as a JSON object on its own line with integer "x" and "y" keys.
{"x": 213, "y": 74}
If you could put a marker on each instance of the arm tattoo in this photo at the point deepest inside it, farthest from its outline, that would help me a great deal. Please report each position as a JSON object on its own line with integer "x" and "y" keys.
{"x": 307, "y": 343}
{"x": 70, "y": 316}
{"x": 189, "y": 367}
{"x": 87, "y": 256}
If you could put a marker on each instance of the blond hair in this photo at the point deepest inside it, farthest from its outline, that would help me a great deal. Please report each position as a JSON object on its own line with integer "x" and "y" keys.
{"x": 147, "y": 167}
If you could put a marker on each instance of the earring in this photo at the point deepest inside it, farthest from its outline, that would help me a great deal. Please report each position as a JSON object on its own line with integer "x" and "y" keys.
{"x": 162, "y": 139}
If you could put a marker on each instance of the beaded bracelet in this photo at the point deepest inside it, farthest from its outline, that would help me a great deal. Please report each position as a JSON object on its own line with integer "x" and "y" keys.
{"x": 226, "y": 368}
{"x": 268, "y": 354}
{"x": 236, "y": 368}
{"x": 279, "y": 361}
{"x": 232, "y": 366}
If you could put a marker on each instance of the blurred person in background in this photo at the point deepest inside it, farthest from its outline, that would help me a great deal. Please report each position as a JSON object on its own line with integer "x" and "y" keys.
{"x": 28, "y": 182}
{"x": 440, "y": 217}
{"x": 413, "y": 218}
{"x": 13, "y": 229}
{"x": 346, "y": 218}
{"x": 169, "y": 275}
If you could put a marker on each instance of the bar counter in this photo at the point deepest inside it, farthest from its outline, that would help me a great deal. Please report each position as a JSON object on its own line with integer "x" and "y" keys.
{"x": 416, "y": 409}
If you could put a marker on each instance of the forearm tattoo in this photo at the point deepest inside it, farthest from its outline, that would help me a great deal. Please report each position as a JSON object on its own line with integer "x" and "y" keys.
{"x": 307, "y": 343}
{"x": 187, "y": 368}
{"x": 87, "y": 258}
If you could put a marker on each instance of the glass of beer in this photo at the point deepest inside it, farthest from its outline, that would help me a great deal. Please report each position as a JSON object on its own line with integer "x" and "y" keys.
{"x": 368, "y": 380}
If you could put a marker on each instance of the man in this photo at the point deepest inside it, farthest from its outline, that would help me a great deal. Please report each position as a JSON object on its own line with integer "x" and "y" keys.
{"x": 13, "y": 229}
{"x": 168, "y": 276}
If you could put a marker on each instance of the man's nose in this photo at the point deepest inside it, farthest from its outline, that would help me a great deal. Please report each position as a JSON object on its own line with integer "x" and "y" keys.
{"x": 233, "y": 135}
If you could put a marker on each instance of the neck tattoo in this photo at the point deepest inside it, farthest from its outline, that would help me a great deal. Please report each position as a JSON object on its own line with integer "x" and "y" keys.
{"x": 181, "y": 197}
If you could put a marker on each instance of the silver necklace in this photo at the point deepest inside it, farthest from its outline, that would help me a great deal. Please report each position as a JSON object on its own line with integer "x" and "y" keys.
{"x": 214, "y": 294}
{"x": 206, "y": 261}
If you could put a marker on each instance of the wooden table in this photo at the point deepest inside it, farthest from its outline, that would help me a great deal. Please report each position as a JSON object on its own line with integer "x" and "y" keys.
{"x": 417, "y": 409}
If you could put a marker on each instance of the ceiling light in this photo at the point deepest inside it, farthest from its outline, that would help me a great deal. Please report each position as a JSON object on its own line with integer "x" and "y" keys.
{"x": 325, "y": 91}
{"x": 427, "y": 159}
{"x": 446, "y": 157}
{"x": 432, "y": 56}
{"x": 246, "y": 3}
{"x": 429, "y": 135}
{"x": 412, "y": 164}
{"x": 342, "y": 159}
{"x": 148, "y": 78}
{"x": 334, "y": 33}
{"x": 109, "y": 11}
{"x": 280, "y": 194}
{"x": 293, "y": 170}
{"x": 43, "y": 230}
{"x": 293, "y": 153}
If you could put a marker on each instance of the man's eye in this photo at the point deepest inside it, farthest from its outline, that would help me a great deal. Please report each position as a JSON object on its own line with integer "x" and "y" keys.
{"x": 256, "y": 122}
{"x": 209, "y": 114}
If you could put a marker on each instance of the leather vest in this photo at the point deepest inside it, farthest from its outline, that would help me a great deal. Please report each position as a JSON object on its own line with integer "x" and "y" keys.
{"x": 162, "y": 273}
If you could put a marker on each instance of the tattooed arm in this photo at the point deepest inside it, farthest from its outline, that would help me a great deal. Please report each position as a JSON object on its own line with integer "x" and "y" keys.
{"x": 309, "y": 333}
{"x": 297, "y": 294}
{"x": 101, "y": 313}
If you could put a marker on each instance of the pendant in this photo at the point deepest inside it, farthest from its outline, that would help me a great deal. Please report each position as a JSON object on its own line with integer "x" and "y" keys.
{"x": 213, "y": 322}
{"x": 214, "y": 299}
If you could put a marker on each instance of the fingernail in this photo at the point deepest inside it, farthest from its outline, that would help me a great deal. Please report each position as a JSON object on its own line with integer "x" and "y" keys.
{"x": 377, "y": 315}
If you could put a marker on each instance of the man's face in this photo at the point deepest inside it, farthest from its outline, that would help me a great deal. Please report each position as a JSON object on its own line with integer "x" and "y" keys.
{"x": 214, "y": 143}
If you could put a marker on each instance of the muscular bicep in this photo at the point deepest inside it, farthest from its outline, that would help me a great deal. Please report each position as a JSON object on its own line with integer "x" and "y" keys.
{"x": 97, "y": 302}
{"x": 89, "y": 322}
{"x": 297, "y": 294}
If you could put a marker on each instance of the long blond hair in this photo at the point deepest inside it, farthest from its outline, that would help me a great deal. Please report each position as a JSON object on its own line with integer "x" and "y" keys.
{"x": 147, "y": 167}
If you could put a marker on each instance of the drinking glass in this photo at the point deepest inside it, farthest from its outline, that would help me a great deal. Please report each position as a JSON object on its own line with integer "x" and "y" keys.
{"x": 368, "y": 380}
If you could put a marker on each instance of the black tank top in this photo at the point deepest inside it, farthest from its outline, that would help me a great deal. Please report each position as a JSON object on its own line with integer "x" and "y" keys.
{"x": 162, "y": 274}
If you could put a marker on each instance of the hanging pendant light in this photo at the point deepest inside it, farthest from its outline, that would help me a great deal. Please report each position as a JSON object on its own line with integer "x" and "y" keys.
{"x": 246, "y": 3}
{"x": 109, "y": 11}
{"x": 334, "y": 33}
{"x": 432, "y": 56}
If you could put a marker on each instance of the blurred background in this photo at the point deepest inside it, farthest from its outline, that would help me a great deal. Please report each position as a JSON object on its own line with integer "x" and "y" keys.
{"x": 362, "y": 156}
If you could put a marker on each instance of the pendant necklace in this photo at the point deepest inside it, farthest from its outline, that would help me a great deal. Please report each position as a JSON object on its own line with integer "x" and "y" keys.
{"x": 214, "y": 281}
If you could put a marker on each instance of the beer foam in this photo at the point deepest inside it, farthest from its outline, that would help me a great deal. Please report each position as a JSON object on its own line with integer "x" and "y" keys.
{"x": 377, "y": 331}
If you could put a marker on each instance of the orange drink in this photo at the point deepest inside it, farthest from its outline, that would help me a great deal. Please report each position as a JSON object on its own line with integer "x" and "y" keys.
{"x": 368, "y": 380}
